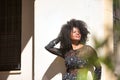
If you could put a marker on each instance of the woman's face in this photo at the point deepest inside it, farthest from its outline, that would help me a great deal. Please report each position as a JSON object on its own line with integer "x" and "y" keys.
{"x": 75, "y": 34}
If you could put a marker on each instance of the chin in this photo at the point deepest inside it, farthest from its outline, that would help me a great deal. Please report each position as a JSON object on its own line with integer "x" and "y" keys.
{"x": 77, "y": 39}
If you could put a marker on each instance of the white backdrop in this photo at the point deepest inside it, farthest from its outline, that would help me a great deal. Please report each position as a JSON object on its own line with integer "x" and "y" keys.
{"x": 50, "y": 15}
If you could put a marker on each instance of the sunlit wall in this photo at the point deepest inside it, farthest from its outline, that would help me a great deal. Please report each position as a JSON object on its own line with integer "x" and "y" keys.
{"x": 50, "y": 15}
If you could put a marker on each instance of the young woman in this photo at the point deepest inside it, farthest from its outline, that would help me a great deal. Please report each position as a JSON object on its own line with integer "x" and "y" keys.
{"x": 79, "y": 57}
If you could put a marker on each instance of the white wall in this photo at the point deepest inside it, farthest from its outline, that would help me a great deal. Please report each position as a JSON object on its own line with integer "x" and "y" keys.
{"x": 50, "y": 15}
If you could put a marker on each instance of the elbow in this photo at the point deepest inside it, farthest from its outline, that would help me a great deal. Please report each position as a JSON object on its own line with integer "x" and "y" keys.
{"x": 46, "y": 47}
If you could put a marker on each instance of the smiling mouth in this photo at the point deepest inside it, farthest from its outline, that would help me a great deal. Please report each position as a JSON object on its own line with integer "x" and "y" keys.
{"x": 77, "y": 36}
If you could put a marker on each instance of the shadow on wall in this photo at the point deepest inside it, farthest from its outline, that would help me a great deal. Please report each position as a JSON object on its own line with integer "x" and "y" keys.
{"x": 56, "y": 67}
{"x": 4, "y": 76}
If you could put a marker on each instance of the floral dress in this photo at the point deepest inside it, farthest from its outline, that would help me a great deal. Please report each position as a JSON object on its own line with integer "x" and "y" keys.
{"x": 78, "y": 62}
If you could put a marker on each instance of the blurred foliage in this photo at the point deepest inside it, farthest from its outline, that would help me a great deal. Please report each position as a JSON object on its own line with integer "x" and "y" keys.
{"x": 99, "y": 43}
{"x": 108, "y": 60}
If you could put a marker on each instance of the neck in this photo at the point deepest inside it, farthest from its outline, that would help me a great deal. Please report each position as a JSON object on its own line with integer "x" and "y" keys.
{"x": 75, "y": 43}
{"x": 76, "y": 46}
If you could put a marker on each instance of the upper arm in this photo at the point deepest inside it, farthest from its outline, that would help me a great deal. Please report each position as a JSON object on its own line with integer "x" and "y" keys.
{"x": 55, "y": 51}
{"x": 96, "y": 63}
{"x": 93, "y": 57}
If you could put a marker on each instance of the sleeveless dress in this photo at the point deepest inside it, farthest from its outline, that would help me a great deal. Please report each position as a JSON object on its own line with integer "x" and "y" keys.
{"x": 78, "y": 62}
